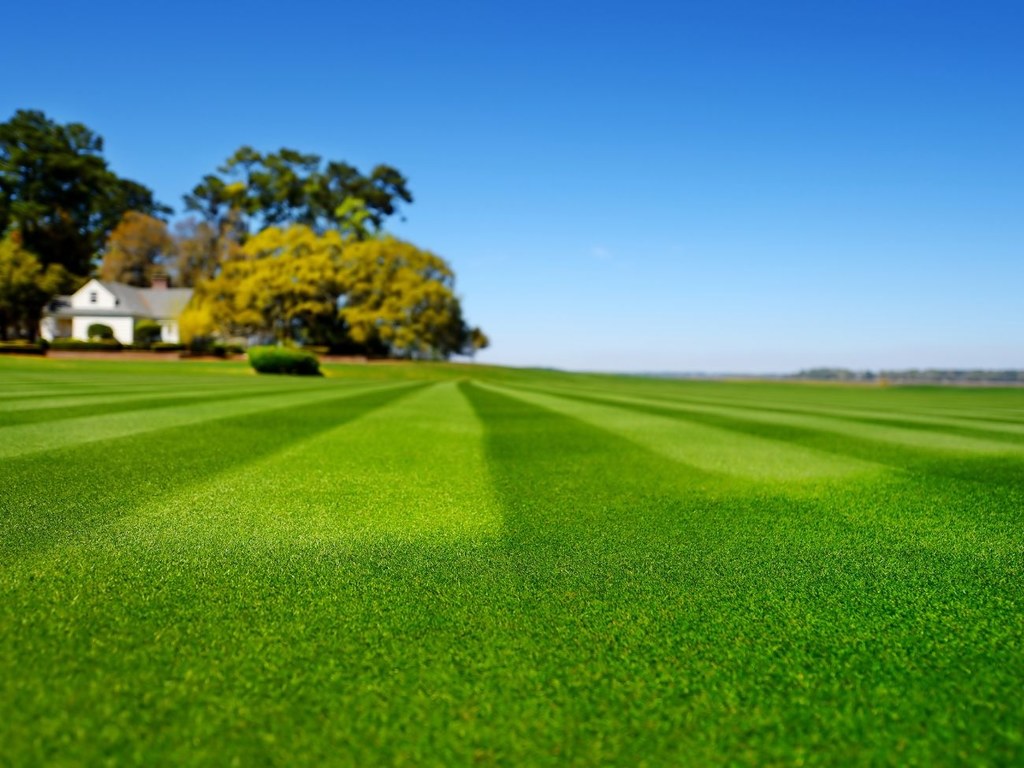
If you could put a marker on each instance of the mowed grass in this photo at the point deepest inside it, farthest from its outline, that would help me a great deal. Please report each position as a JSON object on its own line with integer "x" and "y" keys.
{"x": 463, "y": 565}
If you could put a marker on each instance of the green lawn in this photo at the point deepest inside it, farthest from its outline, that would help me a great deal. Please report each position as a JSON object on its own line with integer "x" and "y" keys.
{"x": 460, "y": 565}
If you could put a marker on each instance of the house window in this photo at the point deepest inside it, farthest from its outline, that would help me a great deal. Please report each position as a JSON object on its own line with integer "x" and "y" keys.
{"x": 93, "y": 297}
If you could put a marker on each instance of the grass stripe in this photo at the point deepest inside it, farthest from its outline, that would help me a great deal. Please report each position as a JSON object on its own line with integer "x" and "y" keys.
{"x": 935, "y": 401}
{"x": 36, "y": 512}
{"x": 970, "y": 427}
{"x": 47, "y": 397}
{"x": 1003, "y": 469}
{"x": 763, "y": 620}
{"x": 709, "y": 448}
{"x": 940, "y": 441}
{"x": 871, "y": 410}
{"x": 410, "y": 469}
{"x": 42, "y": 400}
{"x": 149, "y": 403}
{"x": 50, "y": 435}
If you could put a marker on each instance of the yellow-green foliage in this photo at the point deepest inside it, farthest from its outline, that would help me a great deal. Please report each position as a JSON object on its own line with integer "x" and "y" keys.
{"x": 279, "y": 276}
{"x": 399, "y": 295}
{"x": 196, "y": 321}
{"x": 392, "y": 295}
{"x": 24, "y": 287}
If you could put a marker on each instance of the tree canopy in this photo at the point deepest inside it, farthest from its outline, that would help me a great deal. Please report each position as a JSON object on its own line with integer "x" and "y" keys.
{"x": 281, "y": 283}
{"x": 254, "y": 191}
{"x": 25, "y": 286}
{"x": 401, "y": 298}
{"x": 200, "y": 249}
{"x": 378, "y": 296}
{"x": 58, "y": 192}
{"x": 139, "y": 247}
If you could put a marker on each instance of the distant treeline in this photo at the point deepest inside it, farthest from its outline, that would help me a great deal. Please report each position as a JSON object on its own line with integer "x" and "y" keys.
{"x": 914, "y": 376}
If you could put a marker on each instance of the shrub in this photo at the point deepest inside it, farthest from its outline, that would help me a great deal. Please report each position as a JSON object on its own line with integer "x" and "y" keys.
{"x": 204, "y": 346}
{"x": 147, "y": 332}
{"x": 100, "y": 331}
{"x": 199, "y": 346}
{"x": 166, "y": 346}
{"x": 284, "y": 360}
{"x": 22, "y": 348}
{"x": 225, "y": 350}
{"x": 109, "y": 345}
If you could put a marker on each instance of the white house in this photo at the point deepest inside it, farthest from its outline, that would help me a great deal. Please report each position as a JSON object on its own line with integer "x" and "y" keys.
{"x": 117, "y": 305}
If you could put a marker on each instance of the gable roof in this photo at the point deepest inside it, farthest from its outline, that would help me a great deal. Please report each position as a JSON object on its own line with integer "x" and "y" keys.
{"x": 157, "y": 303}
{"x": 165, "y": 302}
{"x": 128, "y": 298}
{"x": 154, "y": 303}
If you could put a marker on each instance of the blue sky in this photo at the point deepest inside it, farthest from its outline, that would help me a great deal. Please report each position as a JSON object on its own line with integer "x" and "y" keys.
{"x": 687, "y": 186}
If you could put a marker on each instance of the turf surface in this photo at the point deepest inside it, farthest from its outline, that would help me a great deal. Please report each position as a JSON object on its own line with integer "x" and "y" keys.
{"x": 466, "y": 565}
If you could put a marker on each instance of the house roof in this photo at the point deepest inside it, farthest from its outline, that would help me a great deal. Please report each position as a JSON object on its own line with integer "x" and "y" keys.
{"x": 155, "y": 303}
{"x": 128, "y": 298}
{"x": 165, "y": 302}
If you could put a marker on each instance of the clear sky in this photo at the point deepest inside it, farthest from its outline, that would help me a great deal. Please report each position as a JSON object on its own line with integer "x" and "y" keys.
{"x": 701, "y": 185}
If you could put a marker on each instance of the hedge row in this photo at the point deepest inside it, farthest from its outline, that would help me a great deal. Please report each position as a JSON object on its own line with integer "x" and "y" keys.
{"x": 113, "y": 345}
{"x": 94, "y": 345}
{"x": 207, "y": 348}
{"x": 216, "y": 350}
{"x": 22, "y": 348}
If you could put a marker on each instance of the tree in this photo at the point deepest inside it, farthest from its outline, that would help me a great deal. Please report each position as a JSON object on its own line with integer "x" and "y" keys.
{"x": 286, "y": 187}
{"x": 200, "y": 249}
{"x": 379, "y": 296}
{"x": 56, "y": 189}
{"x": 477, "y": 340}
{"x": 282, "y": 283}
{"x": 25, "y": 288}
{"x": 139, "y": 246}
{"x": 401, "y": 298}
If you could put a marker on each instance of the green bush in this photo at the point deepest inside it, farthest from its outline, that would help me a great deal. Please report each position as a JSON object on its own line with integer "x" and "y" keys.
{"x": 147, "y": 332}
{"x": 225, "y": 350}
{"x": 100, "y": 331}
{"x": 110, "y": 345}
{"x": 22, "y": 348}
{"x": 284, "y": 360}
{"x": 166, "y": 346}
{"x": 206, "y": 347}
{"x": 200, "y": 346}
